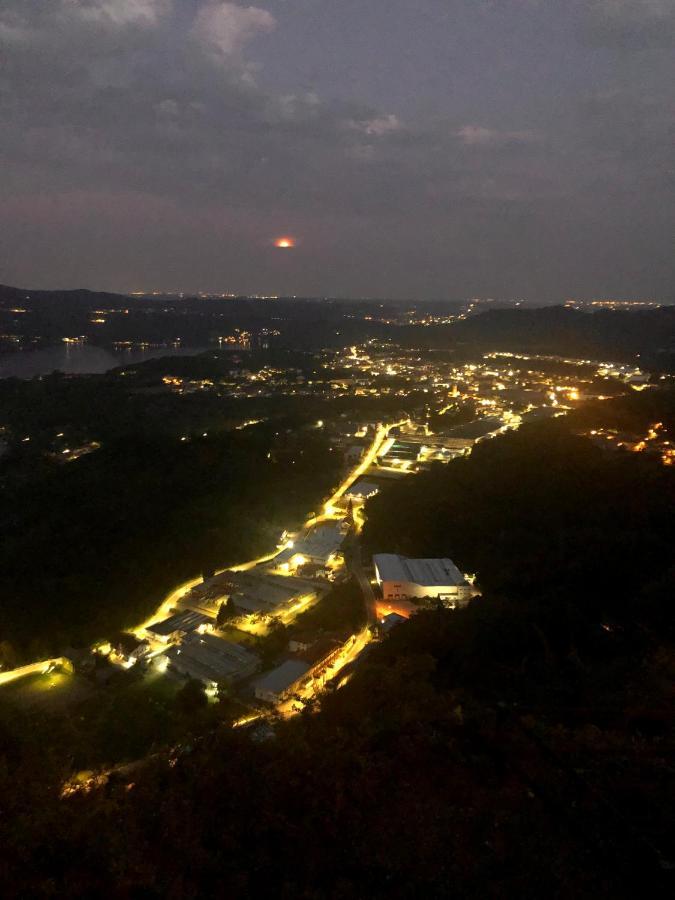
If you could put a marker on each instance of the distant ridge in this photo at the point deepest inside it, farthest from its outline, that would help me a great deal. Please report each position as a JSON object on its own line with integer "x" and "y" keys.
{"x": 7, "y": 292}
{"x": 645, "y": 337}
{"x": 556, "y": 329}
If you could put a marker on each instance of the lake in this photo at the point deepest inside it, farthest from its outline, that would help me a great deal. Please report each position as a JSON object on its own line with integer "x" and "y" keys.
{"x": 80, "y": 359}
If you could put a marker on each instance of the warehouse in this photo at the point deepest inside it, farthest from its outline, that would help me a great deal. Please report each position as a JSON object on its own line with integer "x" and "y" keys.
{"x": 319, "y": 546}
{"x": 179, "y": 624}
{"x": 479, "y": 429}
{"x": 361, "y": 491}
{"x": 401, "y": 579}
{"x": 402, "y": 452}
{"x": 211, "y": 659}
{"x": 282, "y": 681}
{"x": 261, "y": 592}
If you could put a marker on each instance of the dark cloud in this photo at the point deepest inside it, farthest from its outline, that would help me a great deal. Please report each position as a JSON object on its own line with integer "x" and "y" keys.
{"x": 145, "y": 142}
{"x": 629, "y": 24}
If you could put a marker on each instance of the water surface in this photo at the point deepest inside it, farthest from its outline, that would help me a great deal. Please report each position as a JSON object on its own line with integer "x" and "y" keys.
{"x": 80, "y": 359}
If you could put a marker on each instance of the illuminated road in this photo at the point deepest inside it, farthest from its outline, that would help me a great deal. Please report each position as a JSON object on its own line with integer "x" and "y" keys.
{"x": 381, "y": 435}
{"x": 353, "y": 560}
{"x": 170, "y": 602}
{"x": 38, "y": 668}
{"x": 350, "y": 651}
{"x": 329, "y": 512}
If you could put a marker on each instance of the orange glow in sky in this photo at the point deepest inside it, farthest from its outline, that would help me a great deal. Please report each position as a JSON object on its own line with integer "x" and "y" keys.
{"x": 284, "y": 243}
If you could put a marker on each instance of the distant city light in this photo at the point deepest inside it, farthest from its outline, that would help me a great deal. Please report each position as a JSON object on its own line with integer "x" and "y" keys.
{"x": 284, "y": 243}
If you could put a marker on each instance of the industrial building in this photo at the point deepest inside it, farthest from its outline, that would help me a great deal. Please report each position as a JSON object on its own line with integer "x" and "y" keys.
{"x": 319, "y": 546}
{"x": 402, "y": 579}
{"x": 211, "y": 659}
{"x": 258, "y": 591}
{"x": 402, "y": 453}
{"x": 390, "y": 621}
{"x": 278, "y": 684}
{"x": 361, "y": 490}
{"x": 178, "y": 625}
{"x": 478, "y": 429}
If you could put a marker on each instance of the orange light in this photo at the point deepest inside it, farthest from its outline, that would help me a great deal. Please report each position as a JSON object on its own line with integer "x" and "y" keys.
{"x": 284, "y": 243}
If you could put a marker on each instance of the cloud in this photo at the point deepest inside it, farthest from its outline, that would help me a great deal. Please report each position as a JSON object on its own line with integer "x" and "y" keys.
{"x": 380, "y": 126}
{"x": 171, "y": 106}
{"x": 120, "y": 107}
{"x": 478, "y": 135}
{"x": 28, "y": 19}
{"x": 629, "y": 129}
{"x": 118, "y": 12}
{"x": 628, "y": 24}
{"x": 227, "y": 28}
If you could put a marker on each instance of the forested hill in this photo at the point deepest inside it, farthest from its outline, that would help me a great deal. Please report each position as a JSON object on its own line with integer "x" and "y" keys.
{"x": 520, "y": 747}
{"x": 75, "y": 297}
{"x": 605, "y": 334}
{"x": 42, "y": 317}
{"x": 541, "y": 516}
{"x": 89, "y": 548}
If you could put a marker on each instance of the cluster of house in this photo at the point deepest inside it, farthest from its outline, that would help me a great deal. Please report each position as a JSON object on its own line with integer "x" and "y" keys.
{"x": 411, "y": 447}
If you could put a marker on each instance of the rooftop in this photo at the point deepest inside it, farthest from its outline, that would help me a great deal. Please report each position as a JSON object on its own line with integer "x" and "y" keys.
{"x": 362, "y": 489}
{"x": 281, "y": 678}
{"x": 258, "y": 591}
{"x": 211, "y": 658}
{"x": 477, "y": 429}
{"x": 425, "y": 572}
{"x": 319, "y": 543}
{"x": 392, "y": 619}
{"x": 183, "y": 621}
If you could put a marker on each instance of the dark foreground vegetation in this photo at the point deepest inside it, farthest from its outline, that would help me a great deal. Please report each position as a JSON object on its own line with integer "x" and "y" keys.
{"x": 545, "y": 517}
{"x": 72, "y": 726}
{"x": 521, "y": 747}
{"x": 632, "y": 413}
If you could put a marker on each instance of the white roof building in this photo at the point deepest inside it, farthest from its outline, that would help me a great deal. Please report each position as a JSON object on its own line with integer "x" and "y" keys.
{"x": 281, "y": 681}
{"x": 319, "y": 545}
{"x": 211, "y": 659}
{"x": 402, "y": 579}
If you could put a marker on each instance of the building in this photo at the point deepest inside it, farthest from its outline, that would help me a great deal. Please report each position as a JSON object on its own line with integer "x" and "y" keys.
{"x": 211, "y": 659}
{"x": 178, "y": 625}
{"x": 478, "y": 429}
{"x": 390, "y": 621}
{"x": 402, "y": 579}
{"x": 458, "y": 444}
{"x": 301, "y": 642}
{"x": 281, "y": 682}
{"x": 258, "y": 591}
{"x": 354, "y": 454}
{"x": 361, "y": 491}
{"x": 402, "y": 453}
{"x": 127, "y": 647}
{"x": 319, "y": 546}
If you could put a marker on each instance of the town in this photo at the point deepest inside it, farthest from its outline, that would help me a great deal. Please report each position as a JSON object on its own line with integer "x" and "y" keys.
{"x": 215, "y": 629}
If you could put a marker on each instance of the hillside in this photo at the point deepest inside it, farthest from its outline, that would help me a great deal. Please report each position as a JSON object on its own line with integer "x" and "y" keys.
{"x": 516, "y": 748}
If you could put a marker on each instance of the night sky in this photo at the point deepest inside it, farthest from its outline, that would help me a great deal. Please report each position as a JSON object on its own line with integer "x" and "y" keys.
{"x": 408, "y": 148}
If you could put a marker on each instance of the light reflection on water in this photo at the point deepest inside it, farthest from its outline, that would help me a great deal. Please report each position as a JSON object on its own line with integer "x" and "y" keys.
{"x": 80, "y": 359}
